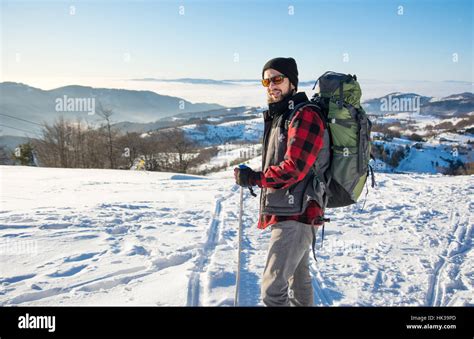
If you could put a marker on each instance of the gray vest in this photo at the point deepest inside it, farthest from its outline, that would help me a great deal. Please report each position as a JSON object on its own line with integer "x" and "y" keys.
{"x": 294, "y": 199}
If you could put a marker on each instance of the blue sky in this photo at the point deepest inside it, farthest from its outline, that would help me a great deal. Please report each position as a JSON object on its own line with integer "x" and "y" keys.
{"x": 135, "y": 39}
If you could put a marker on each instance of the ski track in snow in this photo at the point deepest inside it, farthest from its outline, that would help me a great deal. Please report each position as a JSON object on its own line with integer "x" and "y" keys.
{"x": 155, "y": 240}
{"x": 320, "y": 296}
{"x": 461, "y": 235}
{"x": 194, "y": 285}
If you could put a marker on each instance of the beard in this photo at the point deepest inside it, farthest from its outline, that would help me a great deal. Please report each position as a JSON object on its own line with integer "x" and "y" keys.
{"x": 271, "y": 99}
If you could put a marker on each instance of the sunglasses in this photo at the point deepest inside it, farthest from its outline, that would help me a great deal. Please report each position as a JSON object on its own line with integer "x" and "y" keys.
{"x": 277, "y": 79}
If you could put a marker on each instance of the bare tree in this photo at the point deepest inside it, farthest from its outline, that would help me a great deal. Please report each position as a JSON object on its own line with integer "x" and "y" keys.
{"x": 132, "y": 145}
{"x": 156, "y": 158}
{"x": 75, "y": 144}
{"x": 106, "y": 113}
{"x": 175, "y": 141}
{"x": 69, "y": 144}
{"x": 51, "y": 147}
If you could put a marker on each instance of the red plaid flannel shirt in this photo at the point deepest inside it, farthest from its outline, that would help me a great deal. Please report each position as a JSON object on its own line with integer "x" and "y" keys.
{"x": 305, "y": 139}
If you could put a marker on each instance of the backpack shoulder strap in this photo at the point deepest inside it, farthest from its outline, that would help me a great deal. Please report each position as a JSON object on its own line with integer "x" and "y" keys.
{"x": 299, "y": 107}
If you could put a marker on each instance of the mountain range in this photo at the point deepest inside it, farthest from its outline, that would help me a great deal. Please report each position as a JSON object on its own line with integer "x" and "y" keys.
{"x": 38, "y": 106}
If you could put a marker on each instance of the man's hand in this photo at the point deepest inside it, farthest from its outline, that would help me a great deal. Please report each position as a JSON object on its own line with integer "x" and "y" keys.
{"x": 244, "y": 176}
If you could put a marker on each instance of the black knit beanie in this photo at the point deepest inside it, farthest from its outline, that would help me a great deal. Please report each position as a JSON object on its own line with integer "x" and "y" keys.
{"x": 286, "y": 66}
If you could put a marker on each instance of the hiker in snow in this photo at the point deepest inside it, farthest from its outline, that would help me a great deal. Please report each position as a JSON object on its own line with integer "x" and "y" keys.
{"x": 289, "y": 200}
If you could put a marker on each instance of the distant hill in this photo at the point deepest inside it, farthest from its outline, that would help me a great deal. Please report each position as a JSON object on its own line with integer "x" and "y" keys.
{"x": 453, "y": 105}
{"x": 394, "y": 102}
{"x": 450, "y": 106}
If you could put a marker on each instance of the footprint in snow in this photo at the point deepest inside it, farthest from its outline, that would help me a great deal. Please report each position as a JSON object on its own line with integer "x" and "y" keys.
{"x": 16, "y": 279}
{"x": 81, "y": 257}
{"x": 58, "y": 226}
{"x": 68, "y": 272}
{"x": 138, "y": 250}
{"x": 117, "y": 230}
{"x": 85, "y": 237}
{"x": 10, "y": 226}
{"x": 186, "y": 224}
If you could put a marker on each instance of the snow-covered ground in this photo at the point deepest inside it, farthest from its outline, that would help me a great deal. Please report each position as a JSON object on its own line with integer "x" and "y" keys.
{"x": 110, "y": 237}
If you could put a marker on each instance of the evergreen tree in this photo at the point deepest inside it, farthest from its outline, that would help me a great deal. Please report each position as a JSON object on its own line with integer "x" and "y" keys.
{"x": 24, "y": 155}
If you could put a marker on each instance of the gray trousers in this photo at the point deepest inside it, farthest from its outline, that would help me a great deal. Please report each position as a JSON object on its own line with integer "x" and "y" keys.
{"x": 286, "y": 279}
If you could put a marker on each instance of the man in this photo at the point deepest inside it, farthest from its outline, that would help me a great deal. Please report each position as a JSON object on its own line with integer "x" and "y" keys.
{"x": 289, "y": 197}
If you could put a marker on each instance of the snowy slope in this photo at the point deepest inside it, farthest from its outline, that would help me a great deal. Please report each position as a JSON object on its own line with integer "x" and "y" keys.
{"x": 414, "y": 120}
{"x": 244, "y": 130}
{"x": 230, "y": 152}
{"x": 109, "y": 237}
{"x": 427, "y": 158}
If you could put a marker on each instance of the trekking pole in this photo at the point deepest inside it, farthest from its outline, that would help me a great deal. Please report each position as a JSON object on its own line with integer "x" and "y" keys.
{"x": 236, "y": 298}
